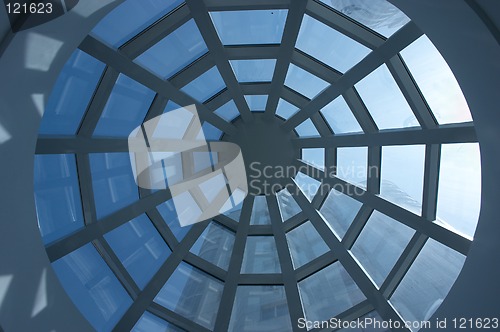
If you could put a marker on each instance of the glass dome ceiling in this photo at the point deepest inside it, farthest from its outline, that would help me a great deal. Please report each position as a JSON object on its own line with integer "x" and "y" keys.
{"x": 373, "y": 216}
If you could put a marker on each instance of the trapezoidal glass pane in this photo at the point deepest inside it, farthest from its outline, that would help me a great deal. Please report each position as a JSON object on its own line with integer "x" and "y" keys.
{"x": 174, "y": 52}
{"x": 314, "y": 157}
{"x": 256, "y": 103}
{"x": 459, "y": 191}
{"x": 385, "y": 102}
{"x": 169, "y": 215}
{"x": 253, "y": 70}
{"x": 210, "y": 132}
{"x": 304, "y": 82}
{"x": 234, "y": 210}
{"x": 352, "y": 165}
{"x": 260, "y": 255}
{"x": 339, "y": 211}
{"x": 260, "y": 212}
{"x": 307, "y": 129}
{"x": 285, "y": 110}
{"x": 287, "y": 205}
{"x": 125, "y": 109}
{"x": 340, "y": 118}
{"x": 205, "y": 86}
{"x": 328, "y": 45}
{"x": 250, "y": 26}
{"x": 436, "y": 82}
{"x": 305, "y": 244}
{"x": 228, "y": 111}
{"x": 114, "y": 30}
{"x": 71, "y": 94}
{"x": 92, "y": 287}
{"x": 307, "y": 185}
{"x": 151, "y": 323}
{"x": 192, "y": 294}
{"x": 215, "y": 245}
{"x": 139, "y": 247}
{"x": 57, "y": 196}
{"x": 260, "y": 308}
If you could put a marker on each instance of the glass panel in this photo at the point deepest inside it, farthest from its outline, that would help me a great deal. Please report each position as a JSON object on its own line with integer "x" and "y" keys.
{"x": 373, "y": 323}
{"x": 315, "y": 157}
{"x": 139, "y": 247}
{"x": 175, "y": 51}
{"x": 340, "y": 118}
{"x": 228, "y": 111}
{"x": 235, "y": 212}
{"x": 151, "y": 323}
{"x": 402, "y": 175}
{"x": 427, "y": 282}
{"x": 285, "y": 109}
{"x": 71, "y": 94}
{"x": 436, "y": 82}
{"x": 329, "y": 46}
{"x": 459, "y": 194}
{"x": 125, "y": 109}
{"x": 256, "y": 103}
{"x": 260, "y": 255}
{"x": 192, "y": 294}
{"x": 92, "y": 287}
{"x": 215, "y": 245}
{"x": 211, "y": 133}
{"x": 304, "y": 82}
{"x": 305, "y": 244}
{"x": 380, "y": 244}
{"x": 115, "y": 31}
{"x": 57, "y": 196}
{"x": 306, "y": 129}
{"x": 339, "y": 211}
{"x": 113, "y": 182}
{"x": 287, "y": 204}
{"x": 250, "y": 26}
{"x": 352, "y": 165}
{"x": 206, "y": 85}
{"x": 328, "y": 293}
{"x": 385, "y": 102}
{"x": 260, "y": 308}
{"x": 260, "y": 212}
{"x": 258, "y": 70}
{"x": 378, "y": 15}
{"x": 307, "y": 185}
{"x": 169, "y": 215}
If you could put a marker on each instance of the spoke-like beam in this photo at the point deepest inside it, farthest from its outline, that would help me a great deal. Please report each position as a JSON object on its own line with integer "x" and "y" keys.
{"x": 86, "y": 188}
{"x": 261, "y": 279}
{"x": 431, "y": 181}
{"x": 77, "y": 144}
{"x": 192, "y": 71}
{"x": 315, "y": 265}
{"x": 360, "y": 111}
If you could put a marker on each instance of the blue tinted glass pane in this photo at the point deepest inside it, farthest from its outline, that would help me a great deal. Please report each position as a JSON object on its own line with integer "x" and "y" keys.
{"x": 192, "y": 294}
{"x": 260, "y": 212}
{"x": 211, "y": 133}
{"x": 171, "y": 106}
{"x": 175, "y": 51}
{"x": 305, "y": 244}
{"x": 308, "y": 185}
{"x": 260, "y": 308}
{"x": 287, "y": 204}
{"x": 304, "y": 82}
{"x": 315, "y": 157}
{"x": 93, "y": 287}
{"x": 113, "y": 182}
{"x": 228, "y": 111}
{"x": 57, "y": 196}
{"x": 206, "y": 85}
{"x": 125, "y": 109}
{"x": 379, "y": 15}
{"x": 352, "y": 165}
{"x": 215, "y": 245}
{"x": 256, "y": 103}
{"x": 307, "y": 129}
{"x": 114, "y": 30}
{"x": 339, "y": 211}
{"x": 71, "y": 94}
{"x": 260, "y": 70}
{"x": 340, "y": 118}
{"x": 328, "y": 293}
{"x": 169, "y": 215}
{"x": 380, "y": 244}
{"x": 139, "y": 247}
{"x": 329, "y": 46}
{"x": 285, "y": 109}
{"x": 151, "y": 323}
{"x": 250, "y": 26}
{"x": 385, "y": 102}
{"x": 260, "y": 255}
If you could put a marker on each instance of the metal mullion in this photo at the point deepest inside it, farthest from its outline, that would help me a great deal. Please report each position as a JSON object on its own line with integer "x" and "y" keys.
{"x": 357, "y": 226}
{"x": 260, "y": 230}
{"x": 224, "y": 5}
{"x": 261, "y": 279}
{"x": 162, "y": 228}
{"x": 315, "y": 67}
{"x": 254, "y": 52}
{"x": 256, "y": 88}
{"x": 360, "y": 111}
{"x": 315, "y": 265}
{"x": 206, "y": 266}
{"x": 320, "y": 123}
{"x": 79, "y": 145}
{"x": 431, "y": 181}
{"x": 175, "y": 318}
{"x": 219, "y": 100}
{"x": 227, "y": 222}
{"x": 194, "y": 70}
{"x": 374, "y": 169}
{"x": 294, "y": 222}
{"x": 84, "y": 173}
{"x": 157, "y": 107}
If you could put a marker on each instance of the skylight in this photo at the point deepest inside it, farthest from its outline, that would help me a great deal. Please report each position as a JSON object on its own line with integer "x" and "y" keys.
{"x": 205, "y": 86}
{"x": 304, "y": 82}
{"x": 255, "y": 70}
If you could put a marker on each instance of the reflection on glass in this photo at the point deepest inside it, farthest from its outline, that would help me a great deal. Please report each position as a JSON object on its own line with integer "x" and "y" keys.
{"x": 228, "y": 111}
{"x": 71, "y": 94}
{"x": 192, "y": 294}
{"x": 169, "y": 215}
{"x": 57, "y": 196}
{"x": 459, "y": 191}
{"x": 385, "y": 102}
{"x": 250, "y": 26}
{"x": 304, "y": 82}
{"x": 235, "y": 210}
{"x": 307, "y": 185}
{"x": 329, "y": 46}
{"x": 150, "y": 323}
{"x": 377, "y": 324}
{"x": 211, "y": 133}
{"x": 339, "y": 211}
{"x": 206, "y": 85}
{"x": 285, "y": 109}
{"x": 315, "y": 157}
{"x": 260, "y": 255}
{"x": 93, "y": 287}
{"x": 380, "y": 244}
{"x": 139, "y": 247}
{"x": 427, "y": 282}
{"x": 340, "y": 118}
{"x": 125, "y": 109}
{"x": 215, "y": 245}
{"x": 260, "y": 308}
{"x": 402, "y": 175}
{"x": 436, "y": 82}
{"x": 306, "y": 129}
{"x": 175, "y": 51}
{"x": 328, "y": 293}
{"x": 352, "y": 165}
{"x": 256, "y": 103}
{"x": 287, "y": 204}
{"x": 260, "y": 212}
{"x": 253, "y": 70}
{"x": 305, "y": 244}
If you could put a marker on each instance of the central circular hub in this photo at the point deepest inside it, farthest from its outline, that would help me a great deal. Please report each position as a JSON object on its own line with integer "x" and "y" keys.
{"x": 268, "y": 152}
